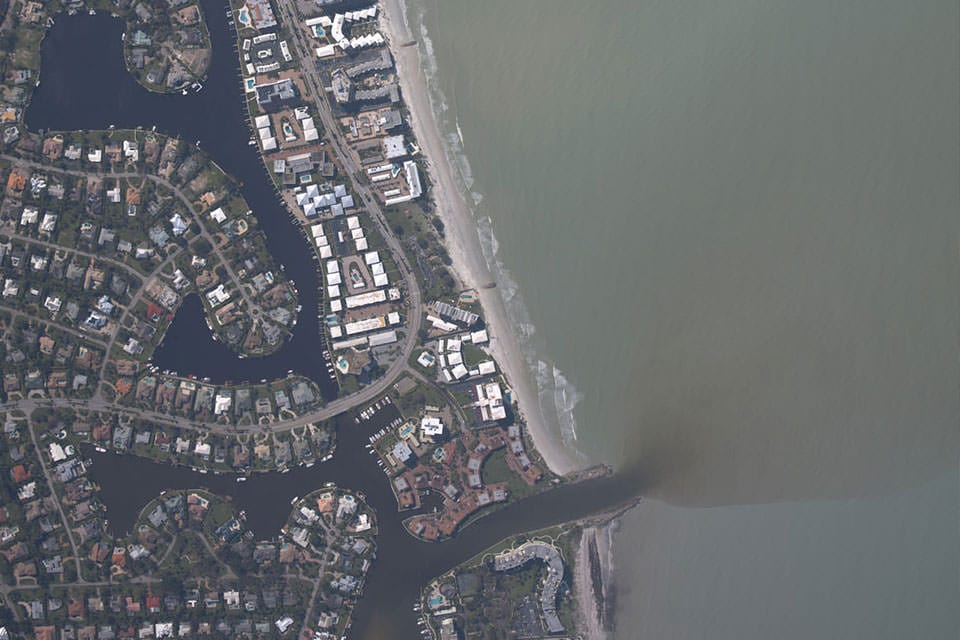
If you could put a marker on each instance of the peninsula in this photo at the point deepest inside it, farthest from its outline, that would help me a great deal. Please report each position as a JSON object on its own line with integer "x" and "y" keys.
{"x": 356, "y": 340}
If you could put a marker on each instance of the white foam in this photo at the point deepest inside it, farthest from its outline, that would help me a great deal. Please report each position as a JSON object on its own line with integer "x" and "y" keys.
{"x": 557, "y": 396}
{"x": 440, "y": 107}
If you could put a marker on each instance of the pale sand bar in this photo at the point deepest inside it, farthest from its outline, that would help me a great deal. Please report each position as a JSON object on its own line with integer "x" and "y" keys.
{"x": 463, "y": 241}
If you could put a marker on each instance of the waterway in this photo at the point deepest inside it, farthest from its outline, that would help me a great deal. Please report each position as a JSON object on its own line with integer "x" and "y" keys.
{"x": 92, "y": 90}
{"x": 85, "y": 86}
{"x": 404, "y": 564}
{"x": 729, "y": 231}
{"x": 761, "y": 195}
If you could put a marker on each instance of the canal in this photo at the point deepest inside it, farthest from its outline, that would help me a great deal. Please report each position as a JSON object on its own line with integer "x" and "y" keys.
{"x": 84, "y": 85}
{"x": 404, "y": 564}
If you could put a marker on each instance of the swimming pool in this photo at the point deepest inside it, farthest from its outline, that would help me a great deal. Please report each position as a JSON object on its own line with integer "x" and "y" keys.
{"x": 243, "y": 16}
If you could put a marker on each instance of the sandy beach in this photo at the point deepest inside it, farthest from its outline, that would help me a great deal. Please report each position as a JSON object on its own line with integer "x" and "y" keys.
{"x": 462, "y": 239}
{"x": 589, "y": 613}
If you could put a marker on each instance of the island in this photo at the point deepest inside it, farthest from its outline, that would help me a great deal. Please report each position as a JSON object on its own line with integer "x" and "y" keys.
{"x": 352, "y": 403}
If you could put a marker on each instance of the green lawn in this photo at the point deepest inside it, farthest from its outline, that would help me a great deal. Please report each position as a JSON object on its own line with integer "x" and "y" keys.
{"x": 495, "y": 469}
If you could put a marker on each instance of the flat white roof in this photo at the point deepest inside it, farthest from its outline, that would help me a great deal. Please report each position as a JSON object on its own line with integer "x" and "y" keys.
{"x": 386, "y": 337}
{"x": 364, "y": 299}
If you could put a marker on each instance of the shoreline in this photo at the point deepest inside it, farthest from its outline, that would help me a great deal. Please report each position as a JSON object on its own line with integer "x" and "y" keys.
{"x": 594, "y": 585}
{"x": 462, "y": 239}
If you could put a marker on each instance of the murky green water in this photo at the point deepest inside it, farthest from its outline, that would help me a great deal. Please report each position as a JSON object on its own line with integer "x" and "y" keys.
{"x": 733, "y": 227}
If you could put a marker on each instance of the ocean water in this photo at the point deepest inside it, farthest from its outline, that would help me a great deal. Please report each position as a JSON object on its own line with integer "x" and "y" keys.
{"x": 729, "y": 235}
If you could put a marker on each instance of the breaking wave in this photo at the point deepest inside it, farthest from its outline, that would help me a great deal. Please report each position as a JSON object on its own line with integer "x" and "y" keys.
{"x": 557, "y": 396}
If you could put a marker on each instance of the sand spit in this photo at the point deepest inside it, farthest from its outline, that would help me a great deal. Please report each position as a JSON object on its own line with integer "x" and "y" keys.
{"x": 592, "y": 579}
{"x": 462, "y": 238}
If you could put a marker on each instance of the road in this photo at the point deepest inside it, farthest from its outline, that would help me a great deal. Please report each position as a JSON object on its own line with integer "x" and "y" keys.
{"x": 413, "y": 297}
{"x": 53, "y": 491}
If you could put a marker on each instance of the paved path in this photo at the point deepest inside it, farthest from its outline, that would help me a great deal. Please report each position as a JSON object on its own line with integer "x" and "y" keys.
{"x": 51, "y": 484}
{"x": 52, "y": 245}
{"x": 79, "y": 334}
{"x": 413, "y": 302}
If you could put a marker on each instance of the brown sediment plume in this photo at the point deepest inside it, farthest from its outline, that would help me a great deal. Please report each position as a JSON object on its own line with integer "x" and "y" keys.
{"x": 718, "y": 442}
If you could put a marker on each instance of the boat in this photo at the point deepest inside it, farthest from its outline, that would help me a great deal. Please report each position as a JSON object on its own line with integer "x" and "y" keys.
{"x": 242, "y": 479}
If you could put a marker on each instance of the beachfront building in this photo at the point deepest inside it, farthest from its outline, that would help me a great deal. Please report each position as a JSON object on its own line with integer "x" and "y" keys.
{"x": 490, "y": 402}
{"x": 550, "y": 556}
